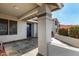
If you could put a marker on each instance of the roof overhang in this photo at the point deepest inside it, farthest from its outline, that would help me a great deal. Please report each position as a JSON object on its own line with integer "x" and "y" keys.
{"x": 34, "y": 12}
{"x": 25, "y": 11}
{"x": 57, "y": 6}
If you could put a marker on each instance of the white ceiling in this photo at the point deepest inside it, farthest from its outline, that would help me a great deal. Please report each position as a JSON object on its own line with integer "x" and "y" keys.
{"x": 23, "y": 10}
{"x": 16, "y": 9}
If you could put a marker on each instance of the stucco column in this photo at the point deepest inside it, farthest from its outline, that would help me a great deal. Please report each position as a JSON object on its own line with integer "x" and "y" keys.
{"x": 44, "y": 29}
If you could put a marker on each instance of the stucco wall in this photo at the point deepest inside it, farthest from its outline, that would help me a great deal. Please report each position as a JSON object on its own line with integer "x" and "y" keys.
{"x": 21, "y": 30}
{"x": 21, "y": 33}
{"x": 34, "y": 30}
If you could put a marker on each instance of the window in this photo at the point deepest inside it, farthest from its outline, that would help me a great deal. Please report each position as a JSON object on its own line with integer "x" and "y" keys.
{"x": 12, "y": 27}
{"x": 3, "y": 27}
{"x": 8, "y": 27}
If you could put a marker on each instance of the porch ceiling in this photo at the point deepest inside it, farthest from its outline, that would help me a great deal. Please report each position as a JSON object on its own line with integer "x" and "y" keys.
{"x": 23, "y": 10}
{"x": 16, "y": 9}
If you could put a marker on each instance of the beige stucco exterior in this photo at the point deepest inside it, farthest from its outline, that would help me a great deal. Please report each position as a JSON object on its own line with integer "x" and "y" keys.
{"x": 44, "y": 19}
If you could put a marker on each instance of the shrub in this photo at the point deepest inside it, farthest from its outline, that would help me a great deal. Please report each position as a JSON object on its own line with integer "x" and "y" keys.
{"x": 63, "y": 31}
{"x": 74, "y": 31}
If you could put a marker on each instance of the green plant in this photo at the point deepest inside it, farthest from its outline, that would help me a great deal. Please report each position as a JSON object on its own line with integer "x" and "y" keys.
{"x": 63, "y": 31}
{"x": 74, "y": 31}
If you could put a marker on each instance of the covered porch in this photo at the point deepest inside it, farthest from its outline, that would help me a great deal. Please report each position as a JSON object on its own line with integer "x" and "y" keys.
{"x": 15, "y": 17}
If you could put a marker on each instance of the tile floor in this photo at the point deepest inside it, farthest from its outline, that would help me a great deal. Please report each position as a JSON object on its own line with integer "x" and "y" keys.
{"x": 19, "y": 48}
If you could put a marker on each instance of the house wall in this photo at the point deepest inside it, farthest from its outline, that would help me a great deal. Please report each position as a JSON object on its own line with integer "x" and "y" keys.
{"x": 34, "y": 30}
{"x": 21, "y": 30}
{"x": 55, "y": 26}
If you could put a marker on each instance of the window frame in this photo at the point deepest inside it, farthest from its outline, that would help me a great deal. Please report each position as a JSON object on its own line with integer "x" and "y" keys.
{"x": 8, "y": 26}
